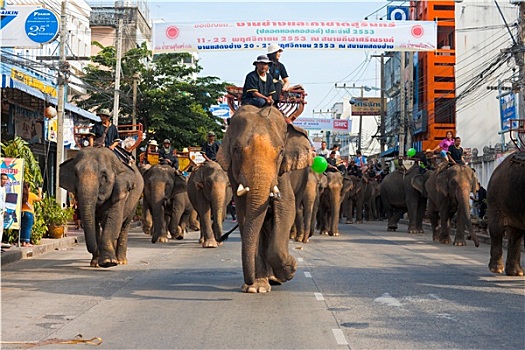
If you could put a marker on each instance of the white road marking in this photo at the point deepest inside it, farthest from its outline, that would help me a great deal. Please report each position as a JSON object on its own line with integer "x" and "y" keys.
{"x": 387, "y": 299}
{"x": 319, "y": 296}
{"x": 433, "y": 296}
{"x": 339, "y": 337}
{"x": 300, "y": 260}
{"x": 307, "y": 274}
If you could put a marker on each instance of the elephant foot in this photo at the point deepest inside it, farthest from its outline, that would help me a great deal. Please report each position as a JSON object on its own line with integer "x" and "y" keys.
{"x": 324, "y": 233}
{"x": 513, "y": 270}
{"x": 201, "y": 240}
{"x": 306, "y": 240}
{"x": 359, "y": 222}
{"x": 93, "y": 262}
{"x": 179, "y": 237}
{"x": 163, "y": 239}
{"x": 460, "y": 242}
{"x": 414, "y": 230}
{"x": 107, "y": 262}
{"x": 349, "y": 222}
{"x": 194, "y": 228}
{"x": 445, "y": 240}
{"x": 391, "y": 228}
{"x": 299, "y": 238}
{"x": 122, "y": 261}
{"x": 210, "y": 243}
{"x": 335, "y": 234}
{"x": 286, "y": 270}
{"x": 496, "y": 267}
{"x": 261, "y": 285}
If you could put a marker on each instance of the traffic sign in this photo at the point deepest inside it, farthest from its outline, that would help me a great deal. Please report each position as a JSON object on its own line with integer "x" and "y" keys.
{"x": 42, "y": 26}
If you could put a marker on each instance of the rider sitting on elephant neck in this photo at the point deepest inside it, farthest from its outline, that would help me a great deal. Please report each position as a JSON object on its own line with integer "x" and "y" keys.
{"x": 105, "y": 134}
{"x": 258, "y": 86}
{"x": 455, "y": 152}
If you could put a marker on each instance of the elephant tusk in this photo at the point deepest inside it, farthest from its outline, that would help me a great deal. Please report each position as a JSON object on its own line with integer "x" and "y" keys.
{"x": 241, "y": 191}
{"x": 275, "y": 192}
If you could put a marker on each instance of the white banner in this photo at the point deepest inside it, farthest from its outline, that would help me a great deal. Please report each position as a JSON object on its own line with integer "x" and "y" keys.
{"x": 342, "y": 125}
{"x": 336, "y": 35}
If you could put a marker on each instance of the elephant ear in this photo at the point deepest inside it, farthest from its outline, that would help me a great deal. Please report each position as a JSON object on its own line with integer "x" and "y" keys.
{"x": 297, "y": 150}
{"x": 223, "y": 156}
{"x": 418, "y": 183}
{"x": 67, "y": 176}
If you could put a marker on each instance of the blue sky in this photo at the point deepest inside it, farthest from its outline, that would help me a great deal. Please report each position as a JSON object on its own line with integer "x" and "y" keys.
{"x": 317, "y": 71}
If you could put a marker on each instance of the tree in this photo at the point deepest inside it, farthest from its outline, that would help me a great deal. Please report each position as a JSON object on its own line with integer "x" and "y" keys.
{"x": 172, "y": 103}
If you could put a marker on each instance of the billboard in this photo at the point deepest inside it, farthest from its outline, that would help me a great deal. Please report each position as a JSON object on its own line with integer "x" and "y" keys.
{"x": 27, "y": 26}
{"x": 342, "y": 125}
{"x": 507, "y": 110}
{"x": 366, "y": 106}
{"x": 257, "y": 35}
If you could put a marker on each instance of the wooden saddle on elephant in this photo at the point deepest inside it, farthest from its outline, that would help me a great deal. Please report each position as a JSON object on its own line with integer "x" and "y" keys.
{"x": 291, "y": 103}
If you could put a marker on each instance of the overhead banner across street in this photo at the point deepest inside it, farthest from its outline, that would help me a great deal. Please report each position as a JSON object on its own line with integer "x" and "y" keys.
{"x": 334, "y": 35}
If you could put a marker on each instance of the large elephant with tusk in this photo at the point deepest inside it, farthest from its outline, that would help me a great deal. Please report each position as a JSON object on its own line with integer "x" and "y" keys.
{"x": 259, "y": 150}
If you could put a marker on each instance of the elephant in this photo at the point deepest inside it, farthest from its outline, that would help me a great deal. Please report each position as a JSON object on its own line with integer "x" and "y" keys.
{"x": 315, "y": 184}
{"x": 506, "y": 213}
{"x": 330, "y": 202}
{"x": 372, "y": 194}
{"x": 355, "y": 198}
{"x": 258, "y": 151}
{"x": 299, "y": 180}
{"x": 108, "y": 192}
{"x": 210, "y": 192}
{"x": 404, "y": 190}
{"x": 448, "y": 195}
{"x": 166, "y": 205}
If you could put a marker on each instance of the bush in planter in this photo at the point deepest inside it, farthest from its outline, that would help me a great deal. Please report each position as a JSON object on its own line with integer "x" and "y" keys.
{"x": 53, "y": 214}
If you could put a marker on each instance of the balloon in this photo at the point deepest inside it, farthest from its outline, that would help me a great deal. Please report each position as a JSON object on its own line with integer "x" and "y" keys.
{"x": 320, "y": 164}
{"x": 411, "y": 152}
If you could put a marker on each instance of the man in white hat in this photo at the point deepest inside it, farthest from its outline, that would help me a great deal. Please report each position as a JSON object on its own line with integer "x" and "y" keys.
{"x": 278, "y": 71}
{"x": 104, "y": 133}
{"x": 258, "y": 86}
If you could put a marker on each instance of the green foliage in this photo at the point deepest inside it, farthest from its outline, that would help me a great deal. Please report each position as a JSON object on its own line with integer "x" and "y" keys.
{"x": 18, "y": 148}
{"x": 53, "y": 214}
{"x": 172, "y": 103}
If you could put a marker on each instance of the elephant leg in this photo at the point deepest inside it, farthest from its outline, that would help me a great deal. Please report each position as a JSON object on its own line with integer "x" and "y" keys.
{"x": 147, "y": 221}
{"x": 206, "y": 227}
{"x": 350, "y": 211}
{"x": 496, "y": 244}
{"x": 421, "y": 209}
{"x": 261, "y": 285}
{"x": 444, "y": 217}
{"x": 412, "y": 206}
{"x": 512, "y": 265}
{"x": 394, "y": 219}
{"x": 122, "y": 243}
{"x": 194, "y": 221}
{"x": 434, "y": 220}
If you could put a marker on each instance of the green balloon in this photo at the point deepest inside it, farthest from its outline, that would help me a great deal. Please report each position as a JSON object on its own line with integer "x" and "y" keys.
{"x": 319, "y": 164}
{"x": 411, "y": 152}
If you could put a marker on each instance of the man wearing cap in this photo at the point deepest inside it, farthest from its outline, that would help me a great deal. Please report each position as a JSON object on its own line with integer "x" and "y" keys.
{"x": 210, "y": 148}
{"x": 167, "y": 155}
{"x": 277, "y": 71}
{"x": 104, "y": 133}
{"x": 258, "y": 86}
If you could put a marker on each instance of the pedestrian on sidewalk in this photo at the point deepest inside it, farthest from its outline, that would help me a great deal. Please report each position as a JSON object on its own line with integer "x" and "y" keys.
{"x": 2, "y": 205}
{"x": 28, "y": 214}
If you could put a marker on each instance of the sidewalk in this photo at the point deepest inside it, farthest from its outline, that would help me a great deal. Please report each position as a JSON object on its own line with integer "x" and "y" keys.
{"x": 12, "y": 254}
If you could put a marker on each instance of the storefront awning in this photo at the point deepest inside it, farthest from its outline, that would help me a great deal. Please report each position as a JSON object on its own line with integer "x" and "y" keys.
{"x": 7, "y": 82}
{"x": 394, "y": 151}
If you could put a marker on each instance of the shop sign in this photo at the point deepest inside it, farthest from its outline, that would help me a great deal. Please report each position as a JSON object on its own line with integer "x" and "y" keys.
{"x": 33, "y": 82}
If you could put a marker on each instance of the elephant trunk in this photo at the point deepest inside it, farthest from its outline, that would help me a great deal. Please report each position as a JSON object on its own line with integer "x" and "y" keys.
{"x": 156, "y": 204}
{"x": 257, "y": 203}
{"x": 464, "y": 214}
{"x": 218, "y": 207}
{"x": 87, "y": 201}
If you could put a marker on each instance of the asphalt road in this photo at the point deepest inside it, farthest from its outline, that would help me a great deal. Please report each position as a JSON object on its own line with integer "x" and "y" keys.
{"x": 367, "y": 289}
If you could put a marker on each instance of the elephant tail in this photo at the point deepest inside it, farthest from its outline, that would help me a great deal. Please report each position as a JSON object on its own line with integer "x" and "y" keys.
{"x": 225, "y": 236}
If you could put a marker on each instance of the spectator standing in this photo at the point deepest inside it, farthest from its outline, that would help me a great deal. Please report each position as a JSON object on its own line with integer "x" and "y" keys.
{"x": 210, "y": 148}
{"x": 2, "y": 204}
{"x": 445, "y": 144}
{"x": 323, "y": 151}
{"x": 167, "y": 155}
{"x": 455, "y": 152}
{"x": 28, "y": 214}
{"x": 278, "y": 72}
{"x": 360, "y": 160}
{"x": 104, "y": 133}
{"x": 482, "y": 201}
{"x": 258, "y": 86}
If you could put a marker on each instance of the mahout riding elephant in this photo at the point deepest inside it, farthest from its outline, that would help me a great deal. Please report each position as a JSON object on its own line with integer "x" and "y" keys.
{"x": 404, "y": 190}
{"x": 506, "y": 213}
{"x": 259, "y": 150}
{"x": 108, "y": 192}
{"x": 449, "y": 192}
{"x": 165, "y": 206}
{"x": 355, "y": 198}
{"x": 210, "y": 192}
{"x": 315, "y": 184}
{"x": 331, "y": 201}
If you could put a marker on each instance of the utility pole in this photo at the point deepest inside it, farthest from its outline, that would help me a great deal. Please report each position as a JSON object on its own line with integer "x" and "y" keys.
{"x": 410, "y": 116}
{"x": 520, "y": 60}
{"x": 402, "y": 92}
{"x": 116, "y": 100}
{"x": 382, "y": 140}
{"x": 358, "y": 141}
{"x": 136, "y": 78}
{"x": 63, "y": 69}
